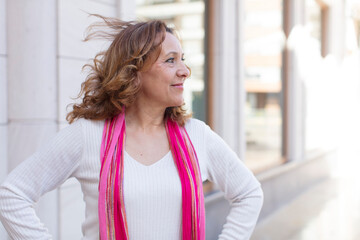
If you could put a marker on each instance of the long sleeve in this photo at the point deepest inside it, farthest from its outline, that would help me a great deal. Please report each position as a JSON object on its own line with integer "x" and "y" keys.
{"x": 239, "y": 185}
{"x": 42, "y": 172}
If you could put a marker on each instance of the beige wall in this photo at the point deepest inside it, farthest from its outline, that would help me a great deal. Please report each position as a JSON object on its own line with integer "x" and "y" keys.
{"x": 72, "y": 55}
{"x": 41, "y": 55}
{"x": 3, "y": 99}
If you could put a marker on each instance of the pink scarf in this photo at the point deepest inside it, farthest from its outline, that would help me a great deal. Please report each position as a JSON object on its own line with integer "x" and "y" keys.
{"x": 111, "y": 206}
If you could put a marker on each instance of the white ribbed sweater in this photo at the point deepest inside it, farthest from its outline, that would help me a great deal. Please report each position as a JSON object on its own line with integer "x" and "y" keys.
{"x": 152, "y": 193}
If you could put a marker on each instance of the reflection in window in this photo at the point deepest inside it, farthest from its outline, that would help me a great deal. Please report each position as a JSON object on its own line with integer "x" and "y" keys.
{"x": 357, "y": 30}
{"x": 263, "y": 65}
{"x": 187, "y": 17}
{"x": 313, "y": 19}
{"x": 314, "y": 121}
{"x": 355, "y": 15}
{"x": 151, "y": 2}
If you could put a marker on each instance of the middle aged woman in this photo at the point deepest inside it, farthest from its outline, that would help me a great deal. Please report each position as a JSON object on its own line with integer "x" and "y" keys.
{"x": 140, "y": 159}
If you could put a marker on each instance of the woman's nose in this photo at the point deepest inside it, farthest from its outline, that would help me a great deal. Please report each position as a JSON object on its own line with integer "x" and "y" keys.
{"x": 184, "y": 70}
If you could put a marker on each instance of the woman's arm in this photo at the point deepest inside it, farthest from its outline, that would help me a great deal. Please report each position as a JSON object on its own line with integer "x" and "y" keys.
{"x": 42, "y": 172}
{"x": 239, "y": 185}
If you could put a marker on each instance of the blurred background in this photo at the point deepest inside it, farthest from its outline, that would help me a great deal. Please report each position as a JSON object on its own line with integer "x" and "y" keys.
{"x": 279, "y": 80}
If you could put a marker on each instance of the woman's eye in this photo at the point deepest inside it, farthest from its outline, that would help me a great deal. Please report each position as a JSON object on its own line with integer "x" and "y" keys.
{"x": 171, "y": 60}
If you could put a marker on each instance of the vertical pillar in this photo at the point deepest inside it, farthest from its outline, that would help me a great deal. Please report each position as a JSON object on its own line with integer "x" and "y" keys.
{"x": 240, "y": 80}
{"x": 73, "y": 53}
{"x": 3, "y": 92}
{"x": 126, "y": 10}
{"x": 32, "y": 82}
{"x": 293, "y": 139}
{"x": 227, "y": 91}
{"x": 3, "y": 100}
{"x": 337, "y": 28}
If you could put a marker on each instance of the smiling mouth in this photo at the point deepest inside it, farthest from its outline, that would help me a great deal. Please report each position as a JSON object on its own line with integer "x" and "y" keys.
{"x": 179, "y": 85}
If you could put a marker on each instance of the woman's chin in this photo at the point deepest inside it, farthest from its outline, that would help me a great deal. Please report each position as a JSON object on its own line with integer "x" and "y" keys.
{"x": 176, "y": 105}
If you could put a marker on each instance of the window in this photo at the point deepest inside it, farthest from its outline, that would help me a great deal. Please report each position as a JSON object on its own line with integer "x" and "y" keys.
{"x": 357, "y": 31}
{"x": 355, "y": 14}
{"x": 313, "y": 19}
{"x": 152, "y": 2}
{"x": 315, "y": 92}
{"x": 263, "y": 48}
{"x": 187, "y": 17}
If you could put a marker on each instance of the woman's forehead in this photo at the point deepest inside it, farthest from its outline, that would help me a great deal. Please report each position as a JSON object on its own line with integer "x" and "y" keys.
{"x": 170, "y": 45}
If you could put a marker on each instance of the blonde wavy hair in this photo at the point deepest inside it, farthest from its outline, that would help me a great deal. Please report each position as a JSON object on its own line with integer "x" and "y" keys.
{"x": 112, "y": 80}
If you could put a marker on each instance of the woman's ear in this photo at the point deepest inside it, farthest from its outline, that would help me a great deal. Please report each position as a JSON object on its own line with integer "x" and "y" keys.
{"x": 138, "y": 79}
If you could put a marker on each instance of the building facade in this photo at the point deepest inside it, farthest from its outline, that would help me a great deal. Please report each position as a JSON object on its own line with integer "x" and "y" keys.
{"x": 264, "y": 77}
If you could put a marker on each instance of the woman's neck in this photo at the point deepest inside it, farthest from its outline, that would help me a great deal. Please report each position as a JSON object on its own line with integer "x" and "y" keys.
{"x": 144, "y": 117}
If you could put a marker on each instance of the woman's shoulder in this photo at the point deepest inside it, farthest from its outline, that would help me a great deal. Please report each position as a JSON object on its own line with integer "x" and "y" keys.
{"x": 193, "y": 124}
{"x": 87, "y": 123}
{"x": 198, "y": 130}
{"x": 86, "y": 128}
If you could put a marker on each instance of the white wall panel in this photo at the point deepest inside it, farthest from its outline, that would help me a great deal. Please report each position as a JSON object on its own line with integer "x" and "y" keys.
{"x": 127, "y": 10}
{"x": 73, "y": 53}
{"x": 3, "y": 234}
{"x": 28, "y": 136}
{"x": 3, "y": 152}
{"x": 47, "y": 211}
{"x": 70, "y": 79}
{"x": 74, "y": 13}
{"x": 31, "y": 73}
{"x": 2, "y": 27}
{"x": 31, "y": 49}
{"x": 72, "y": 212}
{"x": 3, "y": 91}
{"x": 108, "y": 2}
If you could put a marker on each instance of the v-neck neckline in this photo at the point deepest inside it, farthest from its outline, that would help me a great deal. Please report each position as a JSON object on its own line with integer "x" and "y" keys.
{"x": 151, "y": 165}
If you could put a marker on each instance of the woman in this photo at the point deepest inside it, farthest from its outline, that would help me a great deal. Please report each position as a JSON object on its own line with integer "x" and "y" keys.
{"x": 140, "y": 159}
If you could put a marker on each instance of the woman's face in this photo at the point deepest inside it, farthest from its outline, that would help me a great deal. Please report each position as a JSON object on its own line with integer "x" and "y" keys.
{"x": 163, "y": 83}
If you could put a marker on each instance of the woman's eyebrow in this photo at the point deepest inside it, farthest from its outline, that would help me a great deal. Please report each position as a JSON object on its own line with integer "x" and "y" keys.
{"x": 174, "y": 53}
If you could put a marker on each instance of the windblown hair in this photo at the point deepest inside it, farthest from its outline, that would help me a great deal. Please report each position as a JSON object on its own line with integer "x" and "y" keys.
{"x": 112, "y": 82}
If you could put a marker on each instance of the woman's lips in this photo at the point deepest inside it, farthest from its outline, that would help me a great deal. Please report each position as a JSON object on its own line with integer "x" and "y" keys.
{"x": 178, "y": 85}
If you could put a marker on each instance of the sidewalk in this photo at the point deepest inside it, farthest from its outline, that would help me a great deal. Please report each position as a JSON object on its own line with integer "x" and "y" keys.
{"x": 329, "y": 210}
